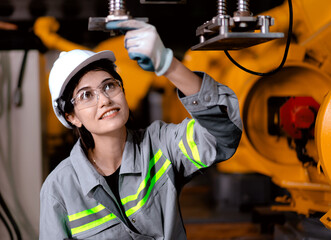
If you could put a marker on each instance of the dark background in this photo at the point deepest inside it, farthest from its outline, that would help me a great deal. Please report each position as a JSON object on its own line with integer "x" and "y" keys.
{"x": 176, "y": 23}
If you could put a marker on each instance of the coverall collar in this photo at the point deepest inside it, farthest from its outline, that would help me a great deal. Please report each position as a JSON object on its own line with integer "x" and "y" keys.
{"x": 129, "y": 163}
{"x": 88, "y": 176}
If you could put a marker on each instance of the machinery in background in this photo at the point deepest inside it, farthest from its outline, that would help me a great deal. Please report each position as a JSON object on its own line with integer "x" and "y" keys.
{"x": 224, "y": 32}
{"x": 279, "y": 111}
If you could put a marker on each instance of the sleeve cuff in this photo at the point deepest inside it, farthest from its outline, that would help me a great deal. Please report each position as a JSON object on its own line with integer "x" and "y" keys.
{"x": 206, "y": 97}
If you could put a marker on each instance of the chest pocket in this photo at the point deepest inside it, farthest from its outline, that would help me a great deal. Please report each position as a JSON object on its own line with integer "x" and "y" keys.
{"x": 92, "y": 221}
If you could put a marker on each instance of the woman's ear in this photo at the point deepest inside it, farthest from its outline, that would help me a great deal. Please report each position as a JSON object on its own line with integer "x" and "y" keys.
{"x": 73, "y": 119}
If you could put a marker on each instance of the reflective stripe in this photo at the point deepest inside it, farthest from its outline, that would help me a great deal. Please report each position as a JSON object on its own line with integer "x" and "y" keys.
{"x": 156, "y": 177}
{"x": 182, "y": 147}
{"x": 93, "y": 224}
{"x": 86, "y": 212}
{"x": 88, "y": 219}
{"x": 90, "y": 215}
{"x": 152, "y": 162}
{"x": 192, "y": 145}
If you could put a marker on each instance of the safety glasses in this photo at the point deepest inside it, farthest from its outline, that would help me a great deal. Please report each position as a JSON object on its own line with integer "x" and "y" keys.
{"x": 88, "y": 97}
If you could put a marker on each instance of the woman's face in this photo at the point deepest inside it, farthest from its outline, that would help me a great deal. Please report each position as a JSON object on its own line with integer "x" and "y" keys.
{"x": 108, "y": 115}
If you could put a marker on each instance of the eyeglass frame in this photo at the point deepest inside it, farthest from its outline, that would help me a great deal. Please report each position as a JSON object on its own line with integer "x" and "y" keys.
{"x": 97, "y": 92}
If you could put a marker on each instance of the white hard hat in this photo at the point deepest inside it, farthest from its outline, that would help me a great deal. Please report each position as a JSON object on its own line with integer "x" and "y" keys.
{"x": 65, "y": 67}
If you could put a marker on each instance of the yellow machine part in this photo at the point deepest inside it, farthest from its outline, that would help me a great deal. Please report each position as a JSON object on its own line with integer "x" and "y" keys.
{"x": 306, "y": 73}
{"x": 323, "y": 135}
{"x": 323, "y": 144}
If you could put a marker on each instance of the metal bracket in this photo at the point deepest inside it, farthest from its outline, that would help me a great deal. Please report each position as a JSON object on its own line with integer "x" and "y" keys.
{"x": 117, "y": 12}
{"x": 224, "y": 32}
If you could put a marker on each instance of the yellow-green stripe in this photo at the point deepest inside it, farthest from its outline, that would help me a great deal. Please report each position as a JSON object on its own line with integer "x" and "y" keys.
{"x": 86, "y": 213}
{"x": 191, "y": 142}
{"x": 93, "y": 224}
{"x": 182, "y": 147}
{"x": 152, "y": 162}
{"x": 156, "y": 177}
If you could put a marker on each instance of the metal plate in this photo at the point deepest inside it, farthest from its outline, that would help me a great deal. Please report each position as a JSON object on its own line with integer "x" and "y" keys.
{"x": 236, "y": 41}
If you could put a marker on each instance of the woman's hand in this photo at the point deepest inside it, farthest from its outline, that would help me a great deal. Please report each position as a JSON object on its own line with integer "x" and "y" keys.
{"x": 146, "y": 47}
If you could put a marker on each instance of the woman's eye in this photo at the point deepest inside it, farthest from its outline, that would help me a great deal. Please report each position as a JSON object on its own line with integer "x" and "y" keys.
{"x": 109, "y": 86}
{"x": 86, "y": 95}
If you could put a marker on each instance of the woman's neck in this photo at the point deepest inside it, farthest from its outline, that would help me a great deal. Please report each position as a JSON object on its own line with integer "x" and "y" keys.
{"x": 108, "y": 151}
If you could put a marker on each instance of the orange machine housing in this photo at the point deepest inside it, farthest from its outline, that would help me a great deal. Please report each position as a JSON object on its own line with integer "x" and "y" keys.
{"x": 279, "y": 111}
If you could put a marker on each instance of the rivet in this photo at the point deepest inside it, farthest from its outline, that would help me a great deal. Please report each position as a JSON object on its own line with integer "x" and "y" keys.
{"x": 207, "y": 98}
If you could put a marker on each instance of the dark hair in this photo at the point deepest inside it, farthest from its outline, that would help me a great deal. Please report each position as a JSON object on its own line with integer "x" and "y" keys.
{"x": 100, "y": 65}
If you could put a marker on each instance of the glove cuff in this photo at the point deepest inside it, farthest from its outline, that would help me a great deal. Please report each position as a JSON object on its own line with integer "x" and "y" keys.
{"x": 165, "y": 63}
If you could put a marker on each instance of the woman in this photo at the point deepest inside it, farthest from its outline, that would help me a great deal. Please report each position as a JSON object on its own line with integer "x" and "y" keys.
{"x": 120, "y": 183}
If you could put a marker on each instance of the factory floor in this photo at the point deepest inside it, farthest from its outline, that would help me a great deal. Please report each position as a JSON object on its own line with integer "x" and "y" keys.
{"x": 208, "y": 219}
{"x": 204, "y": 221}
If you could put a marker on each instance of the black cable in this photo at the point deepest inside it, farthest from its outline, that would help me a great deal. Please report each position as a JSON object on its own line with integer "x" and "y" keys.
{"x": 10, "y": 218}
{"x": 7, "y": 226}
{"x": 289, "y": 34}
{"x": 18, "y": 95}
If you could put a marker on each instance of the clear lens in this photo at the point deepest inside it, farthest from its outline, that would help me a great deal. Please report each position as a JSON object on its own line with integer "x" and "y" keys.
{"x": 89, "y": 97}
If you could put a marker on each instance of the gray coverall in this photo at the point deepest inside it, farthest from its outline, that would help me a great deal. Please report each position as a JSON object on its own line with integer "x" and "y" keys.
{"x": 76, "y": 201}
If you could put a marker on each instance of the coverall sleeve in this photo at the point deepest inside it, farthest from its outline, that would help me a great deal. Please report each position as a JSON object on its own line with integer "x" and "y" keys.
{"x": 52, "y": 218}
{"x": 213, "y": 133}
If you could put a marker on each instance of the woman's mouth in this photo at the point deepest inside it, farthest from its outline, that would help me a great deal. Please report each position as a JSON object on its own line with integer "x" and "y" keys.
{"x": 110, "y": 113}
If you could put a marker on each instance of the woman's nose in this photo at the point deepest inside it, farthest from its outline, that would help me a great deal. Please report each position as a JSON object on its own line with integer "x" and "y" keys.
{"x": 104, "y": 99}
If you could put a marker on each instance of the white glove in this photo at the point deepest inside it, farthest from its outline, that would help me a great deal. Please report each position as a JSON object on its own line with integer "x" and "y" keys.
{"x": 145, "y": 46}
